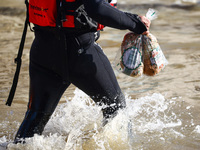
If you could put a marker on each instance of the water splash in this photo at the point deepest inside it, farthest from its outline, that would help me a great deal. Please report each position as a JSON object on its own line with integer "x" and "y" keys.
{"x": 150, "y": 122}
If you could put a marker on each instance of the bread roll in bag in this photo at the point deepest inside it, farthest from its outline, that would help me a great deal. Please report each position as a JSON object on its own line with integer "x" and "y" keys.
{"x": 131, "y": 51}
{"x": 153, "y": 57}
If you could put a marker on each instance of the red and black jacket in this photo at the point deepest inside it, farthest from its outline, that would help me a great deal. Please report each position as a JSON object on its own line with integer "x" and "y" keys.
{"x": 44, "y": 13}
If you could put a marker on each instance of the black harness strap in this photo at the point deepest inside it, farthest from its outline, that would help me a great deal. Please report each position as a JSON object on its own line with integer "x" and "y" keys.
{"x": 58, "y": 19}
{"x": 18, "y": 60}
{"x": 72, "y": 5}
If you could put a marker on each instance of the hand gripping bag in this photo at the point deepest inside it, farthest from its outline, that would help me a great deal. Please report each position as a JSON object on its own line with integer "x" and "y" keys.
{"x": 140, "y": 54}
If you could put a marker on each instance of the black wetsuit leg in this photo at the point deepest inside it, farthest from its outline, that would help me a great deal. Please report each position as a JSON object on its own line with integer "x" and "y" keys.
{"x": 46, "y": 85}
{"x": 91, "y": 71}
{"x": 46, "y": 89}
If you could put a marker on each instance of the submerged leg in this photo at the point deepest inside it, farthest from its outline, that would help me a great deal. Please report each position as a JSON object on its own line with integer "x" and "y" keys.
{"x": 91, "y": 71}
{"x": 34, "y": 123}
{"x": 110, "y": 110}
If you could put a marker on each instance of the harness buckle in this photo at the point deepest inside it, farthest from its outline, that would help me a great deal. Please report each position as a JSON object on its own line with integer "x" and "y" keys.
{"x": 63, "y": 19}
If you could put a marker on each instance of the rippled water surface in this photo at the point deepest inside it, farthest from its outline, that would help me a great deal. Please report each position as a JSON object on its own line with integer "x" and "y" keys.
{"x": 162, "y": 111}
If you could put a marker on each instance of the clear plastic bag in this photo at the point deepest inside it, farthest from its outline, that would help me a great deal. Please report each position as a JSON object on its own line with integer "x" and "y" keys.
{"x": 140, "y": 54}
{"x": 152, "y": 14}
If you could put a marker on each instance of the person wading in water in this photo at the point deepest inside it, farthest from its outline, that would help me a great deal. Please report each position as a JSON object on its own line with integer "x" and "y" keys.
{"x": 64, "y": 52}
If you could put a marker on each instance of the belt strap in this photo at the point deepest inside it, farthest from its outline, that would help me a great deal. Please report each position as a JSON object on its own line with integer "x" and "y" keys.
{"x": 18, "y": 60}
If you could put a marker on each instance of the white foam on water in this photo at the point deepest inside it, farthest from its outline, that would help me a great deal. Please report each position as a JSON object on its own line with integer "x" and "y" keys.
{"x": 3, "y": 139}
{"x": 147, "y": 112}
{"x": 197, "y": 129}
{"x": 74, "y": 114}
{"x": 76, "y": 124}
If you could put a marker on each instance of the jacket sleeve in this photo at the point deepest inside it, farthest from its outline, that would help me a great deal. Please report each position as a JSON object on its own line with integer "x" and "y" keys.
{"x": 102, "y": 12}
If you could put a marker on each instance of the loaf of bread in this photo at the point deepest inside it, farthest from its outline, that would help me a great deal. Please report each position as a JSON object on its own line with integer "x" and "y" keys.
{"x": 131, "y": 55}
{"x": 153, "y": 57}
